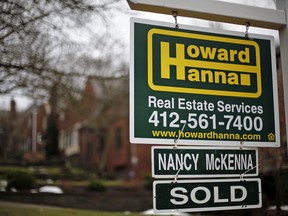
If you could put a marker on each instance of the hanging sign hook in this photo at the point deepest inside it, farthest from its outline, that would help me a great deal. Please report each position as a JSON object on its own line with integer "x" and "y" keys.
{"x": 246, "y": 32}
{"x": 241, "y": 144}
{"x": 242, "y": 175}
{"x": 176, "y": 140}
{"x": 177, "y": 173}
{"x": 175, "y": 14}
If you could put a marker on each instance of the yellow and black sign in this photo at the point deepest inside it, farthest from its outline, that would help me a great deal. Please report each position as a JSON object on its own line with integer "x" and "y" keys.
{"x": 204, "y": 64}
{"x": 202, "y": 86}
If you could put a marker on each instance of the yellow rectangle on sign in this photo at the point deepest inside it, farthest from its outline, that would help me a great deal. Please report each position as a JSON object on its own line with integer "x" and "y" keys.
{"x": 201, "y": 68}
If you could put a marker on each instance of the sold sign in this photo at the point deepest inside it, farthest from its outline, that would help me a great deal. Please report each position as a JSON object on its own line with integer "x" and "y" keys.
{"x": 206, "y": 195}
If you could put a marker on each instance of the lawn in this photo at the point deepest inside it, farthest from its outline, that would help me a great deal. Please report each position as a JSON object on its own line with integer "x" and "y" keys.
{"x": 47, "y": 211}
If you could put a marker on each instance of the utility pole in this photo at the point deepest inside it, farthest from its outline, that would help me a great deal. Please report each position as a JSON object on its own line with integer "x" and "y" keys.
{"x": 34, "y": 130}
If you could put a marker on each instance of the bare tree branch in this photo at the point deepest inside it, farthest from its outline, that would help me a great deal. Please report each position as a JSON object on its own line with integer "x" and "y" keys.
{"x": 38, "y": 45}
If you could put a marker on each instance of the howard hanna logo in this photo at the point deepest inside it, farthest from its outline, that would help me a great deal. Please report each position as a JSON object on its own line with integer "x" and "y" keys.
{"x": 201, "y": 63}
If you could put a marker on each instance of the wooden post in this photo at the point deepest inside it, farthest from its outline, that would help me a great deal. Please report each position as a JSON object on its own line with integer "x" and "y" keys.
{"x": 215, "y": 11}
{"x": 283, "y": 37}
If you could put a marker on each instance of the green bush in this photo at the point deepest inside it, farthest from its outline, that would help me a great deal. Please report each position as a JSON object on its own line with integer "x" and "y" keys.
{"x": 96, "y": 186}
{"x": 20, "y": 180}
{"x": 148, "y": 184}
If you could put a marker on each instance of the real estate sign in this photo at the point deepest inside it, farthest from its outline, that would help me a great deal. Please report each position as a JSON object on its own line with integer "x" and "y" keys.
{"x": 194, "y": 162}
{"x": 206, "y": 195}
{"x": 218, "y": 86}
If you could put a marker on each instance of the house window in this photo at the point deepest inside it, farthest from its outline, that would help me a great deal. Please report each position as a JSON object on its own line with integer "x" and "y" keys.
{"x": 121, "y": 172}
{"x": 39, "y": 138}
{"x": 118, "y": 139}
{"x": 102, "y": 140}
{"x": 68, "y": 139}
{"x": 88, "y": 151}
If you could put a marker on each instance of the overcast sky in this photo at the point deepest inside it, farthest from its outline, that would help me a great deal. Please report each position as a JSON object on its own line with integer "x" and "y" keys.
{"x": 120, "y": 28}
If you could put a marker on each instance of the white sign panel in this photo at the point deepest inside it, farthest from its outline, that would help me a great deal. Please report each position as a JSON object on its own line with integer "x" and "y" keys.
{"x": 194, "y": 162}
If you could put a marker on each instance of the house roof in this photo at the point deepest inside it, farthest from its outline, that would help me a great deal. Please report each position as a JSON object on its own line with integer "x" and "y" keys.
{"x": 109, "y": 87}
{"x": 103, "y": 99}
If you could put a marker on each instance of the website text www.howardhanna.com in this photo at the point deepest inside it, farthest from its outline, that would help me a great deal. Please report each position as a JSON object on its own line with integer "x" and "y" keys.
{"x": 205, "y": 135}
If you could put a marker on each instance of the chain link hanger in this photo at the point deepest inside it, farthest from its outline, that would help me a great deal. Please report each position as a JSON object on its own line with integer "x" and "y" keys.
{"x": 175, "y": 14}
{"x": 246, "y": 31}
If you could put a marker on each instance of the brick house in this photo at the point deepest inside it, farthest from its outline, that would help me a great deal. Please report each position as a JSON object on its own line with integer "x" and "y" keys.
{"x": 21, "y": 134}
{"x": 95, "y": 131}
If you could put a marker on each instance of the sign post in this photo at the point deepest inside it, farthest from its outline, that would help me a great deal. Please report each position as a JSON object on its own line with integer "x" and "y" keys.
{"x": 219, "y": 11}
{"x": 283, "y": 37}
